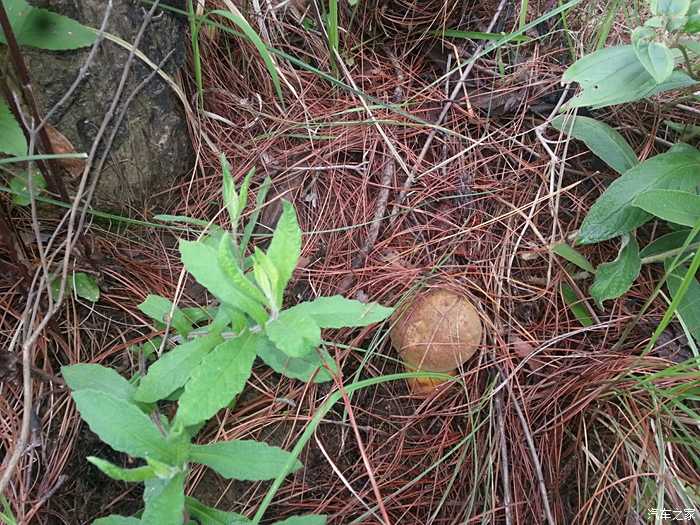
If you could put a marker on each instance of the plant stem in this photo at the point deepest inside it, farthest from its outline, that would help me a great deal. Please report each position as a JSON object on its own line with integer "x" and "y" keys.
{"x": 55, "y": 183}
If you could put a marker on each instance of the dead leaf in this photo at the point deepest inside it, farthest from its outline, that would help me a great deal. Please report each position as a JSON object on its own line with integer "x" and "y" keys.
{"x": 61, "y": 145}
{"x": 524, "y": 351}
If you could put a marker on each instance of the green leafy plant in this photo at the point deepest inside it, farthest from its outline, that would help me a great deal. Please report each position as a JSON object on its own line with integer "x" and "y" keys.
{"x": 663, "y": 55}
{"x": 649, "y": 65}
{"x": 210, "y": 365}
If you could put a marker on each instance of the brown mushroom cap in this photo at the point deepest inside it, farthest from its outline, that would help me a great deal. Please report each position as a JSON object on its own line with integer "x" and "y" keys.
{"x": 439, "y": 331}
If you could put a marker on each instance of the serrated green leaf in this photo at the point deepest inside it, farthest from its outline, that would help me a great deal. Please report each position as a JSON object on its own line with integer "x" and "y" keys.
{"x": 666, "y": 243}
{"x": 44, "y": 29}
{"x": 88, "y": 376}
{"x": 123, "y": 474}
{"x": 121, "y": 425}
{"x": 19, "y": 184}
{"x": 242, "y": 459}
{"x": 294, "y": 333}
{"x": 657, "y": 59}
{"x": 165, "y": 501}
{"x": 338, "y": 312}
{"x": 209, "y": 516}
{"x": 285, "y": 247}
{"x": 309, "y": 519}
{"x": 614, "y": 278}
{"x": 12, "y": 140}
{"x": 576, "y": 305}
{"x": 573, "y": 256}
{"x": 615, "y": 75}
{"x": 218, "y": 379}
{"x": 306, "y": 368}
{"x": 85, "y": 286}
{"x": 614, "y": 213}
{"x": 114, "y": 519}
{"x": 605, "y": 142}
{"x": 158, "y": 308}
{"x": 679, "y": 207}
{"x": 229, "y": 264}
{"x": 200, "y": 260}
{"x": 689, "y": 307}
{"x": 174, "y": 368}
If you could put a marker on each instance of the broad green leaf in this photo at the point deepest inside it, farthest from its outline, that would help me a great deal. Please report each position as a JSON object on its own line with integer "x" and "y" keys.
{"x": 669, "y": 7}
{"x": 208, "y": 516}
{"x": 294, "y": 332}
{"x": 605, "y": 142}
{"x": 85, "y": 286}
{"x": 218, "y": 379}
{"x": 689, "y": 307}
{"x": 158, "y": 308}
{"x": 200, "y": 260}
{"x": 44, "y": 29}
{"x": 285, "y": 247}
{"x": 198, "y": 314}
{"x": 338, "y": 312}
{"x": 12, "y": 140}
{"x": 123, "y": 474}
{"x": 237, "y": 18}
{"x": 614, "y": 278}
{"x": 666, "y": 243}
{"x": 165, "y": 501}
{"x": 692, "y": 26}
{"x": 614, "y": 213}
{"x": 243, "y": 459}
{"x": 121, "y": 425}
{"x": 657, "y": 59}
{"x": 576, "y": 305}
{"x": 229, "y": 264}
{"x": 309, "y": 519}
{"x": 303, "y": 368}
{"x": 570, "y": 254}
{"x": 615, "y": 75}
{"x": 173, "y": 369}
{"x": 88, "y": 376}
{"x": 19, "y": 184}
{"x": 113, "y": 519}
{"x": 679, "y": 207}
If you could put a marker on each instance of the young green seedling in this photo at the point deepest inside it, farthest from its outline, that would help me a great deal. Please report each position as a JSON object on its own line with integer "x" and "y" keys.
{"x": 210, "y": 365}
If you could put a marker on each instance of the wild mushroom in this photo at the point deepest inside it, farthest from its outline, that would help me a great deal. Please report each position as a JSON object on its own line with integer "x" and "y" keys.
{"x": 438, "y": 332}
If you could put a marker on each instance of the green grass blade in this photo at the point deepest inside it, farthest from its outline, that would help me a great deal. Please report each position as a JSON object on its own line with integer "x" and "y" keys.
{"x": 196, "y": 57}
{"x": 333, "y": 35}
{"x": 250, "y": 33}
{"x": 478, "y": 35}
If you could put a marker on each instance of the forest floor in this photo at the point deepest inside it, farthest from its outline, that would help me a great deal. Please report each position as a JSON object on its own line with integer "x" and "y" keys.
{"x": 551, "y": 421}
